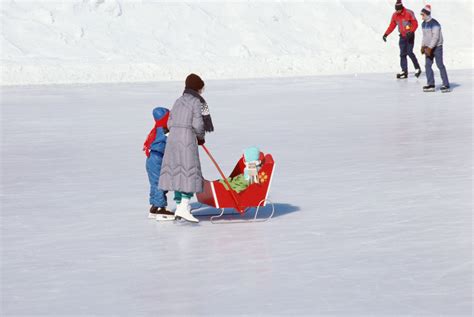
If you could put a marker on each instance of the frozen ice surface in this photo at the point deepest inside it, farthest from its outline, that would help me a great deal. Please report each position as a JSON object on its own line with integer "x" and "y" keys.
{"x": 372, "y": 188}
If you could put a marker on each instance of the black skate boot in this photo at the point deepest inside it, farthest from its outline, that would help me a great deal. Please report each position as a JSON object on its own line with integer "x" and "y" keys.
{"x": 402, "y": 75}
{"x": 164, "y": 215}
{"x": 445, "y": 89}
{"x": 418, "y": 73}
{"x": 429, "y": 88}
{"x": 153, "y": 212}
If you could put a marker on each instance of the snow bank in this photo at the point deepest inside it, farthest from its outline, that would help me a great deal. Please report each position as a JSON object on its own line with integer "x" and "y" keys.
{"x": 121, "y": 40}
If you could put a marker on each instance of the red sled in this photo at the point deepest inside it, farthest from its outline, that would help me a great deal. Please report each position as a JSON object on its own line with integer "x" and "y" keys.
{"x": 214, "y": 193}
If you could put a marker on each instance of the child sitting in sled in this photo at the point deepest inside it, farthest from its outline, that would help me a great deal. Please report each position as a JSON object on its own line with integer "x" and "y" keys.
{"x": 154, "y": 148}
{"x": 252, "y": 159}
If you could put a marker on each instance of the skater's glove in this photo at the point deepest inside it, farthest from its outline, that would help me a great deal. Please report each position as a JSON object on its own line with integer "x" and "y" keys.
{"x": 429, "y": 51}
{"x": 423, "y": 50}
{"x": 201, "y": 141}
{"x": 384, "y": 37}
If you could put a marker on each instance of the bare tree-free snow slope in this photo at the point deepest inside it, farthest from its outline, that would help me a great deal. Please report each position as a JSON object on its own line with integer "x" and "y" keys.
{"x": 55, "y": 41}
{"x": 372, "y": 190}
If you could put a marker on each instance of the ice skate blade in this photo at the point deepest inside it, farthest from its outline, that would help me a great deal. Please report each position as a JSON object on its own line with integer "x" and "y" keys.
{"x": 165, "y": 218}
{"x": 181, "y": 218}
{"x": 429, "y": 90}
{"x": 151, "y": 216}
{"x": 445, "y": 90}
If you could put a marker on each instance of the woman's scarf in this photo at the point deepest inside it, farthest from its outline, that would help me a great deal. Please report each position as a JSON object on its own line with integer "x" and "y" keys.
{"x": 162, "y": 123}
{"x": 206, "y": 116}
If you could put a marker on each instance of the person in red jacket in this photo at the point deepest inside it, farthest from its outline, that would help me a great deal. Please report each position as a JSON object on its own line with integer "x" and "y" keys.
{"x": 406, "y": 21}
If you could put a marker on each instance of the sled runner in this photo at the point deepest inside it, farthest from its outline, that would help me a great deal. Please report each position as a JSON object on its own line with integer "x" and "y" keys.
{"x": 216, "y": 195}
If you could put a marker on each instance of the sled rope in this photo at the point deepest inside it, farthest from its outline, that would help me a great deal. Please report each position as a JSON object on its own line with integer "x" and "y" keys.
{"x": 236, "y": 201}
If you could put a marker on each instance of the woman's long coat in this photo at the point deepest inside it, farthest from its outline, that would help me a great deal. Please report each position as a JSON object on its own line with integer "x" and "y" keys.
{"x": 181, "y": 168}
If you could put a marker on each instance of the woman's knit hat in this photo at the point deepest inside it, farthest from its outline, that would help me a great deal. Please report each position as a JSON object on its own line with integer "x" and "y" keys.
{"x": 194, "y": 82}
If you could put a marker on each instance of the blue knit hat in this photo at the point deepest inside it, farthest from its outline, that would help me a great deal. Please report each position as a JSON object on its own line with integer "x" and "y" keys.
{"x": 159, "y": 112}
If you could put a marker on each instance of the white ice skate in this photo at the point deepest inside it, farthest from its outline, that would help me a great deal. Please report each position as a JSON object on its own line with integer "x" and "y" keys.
{"x": 184, "y": 211}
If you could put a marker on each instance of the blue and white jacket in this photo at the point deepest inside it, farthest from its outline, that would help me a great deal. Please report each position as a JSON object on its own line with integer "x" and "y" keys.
{"x": 432, "y": 35}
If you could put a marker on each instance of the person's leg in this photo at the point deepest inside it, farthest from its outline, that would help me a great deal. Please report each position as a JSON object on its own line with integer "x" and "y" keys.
{"x": 412, "y": 55}
{"x": 177, "y": 197}
{"x": 187, "y": 195}
{"x": 153, "y": 168}
{"x": 429, "y": 71}
{"x": 438, "y": 55}
{"x": 160, "y": 195}
{"x": 152, "y": 178}
{"x": 403, "y": 54}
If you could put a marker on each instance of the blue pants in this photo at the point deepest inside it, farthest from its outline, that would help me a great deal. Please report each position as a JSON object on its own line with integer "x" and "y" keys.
{"x": 406, "y": 49}
{"x": 438, "y": 56}
{"x": 153, "y": 168}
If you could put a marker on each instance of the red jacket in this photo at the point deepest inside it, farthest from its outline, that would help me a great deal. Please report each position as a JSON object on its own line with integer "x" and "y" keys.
{"x": 405, "y": 20}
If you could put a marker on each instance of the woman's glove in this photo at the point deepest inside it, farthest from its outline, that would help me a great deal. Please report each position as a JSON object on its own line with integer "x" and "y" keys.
{"x": 423, "y": 50}
{"x": 201, "y": 142}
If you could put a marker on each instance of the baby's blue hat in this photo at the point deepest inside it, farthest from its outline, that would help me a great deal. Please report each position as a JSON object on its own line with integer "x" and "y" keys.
{"x": 251, "y": 154}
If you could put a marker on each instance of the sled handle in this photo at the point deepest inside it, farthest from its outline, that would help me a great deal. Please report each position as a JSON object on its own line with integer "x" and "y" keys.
{"x": 236, "y": 201}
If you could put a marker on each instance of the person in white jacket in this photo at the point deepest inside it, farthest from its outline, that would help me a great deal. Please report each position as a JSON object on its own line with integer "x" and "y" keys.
{"x": 432, "y": 47}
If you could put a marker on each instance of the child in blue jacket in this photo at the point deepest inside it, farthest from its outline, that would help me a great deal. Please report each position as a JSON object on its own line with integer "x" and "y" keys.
{"x": 154, "y": 148}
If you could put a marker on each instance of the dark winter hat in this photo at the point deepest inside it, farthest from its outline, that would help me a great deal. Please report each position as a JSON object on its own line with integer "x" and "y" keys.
{"x": 398, "y": 5}
{"x": 426, "y": 10}
{"x": 194, "y": 82}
